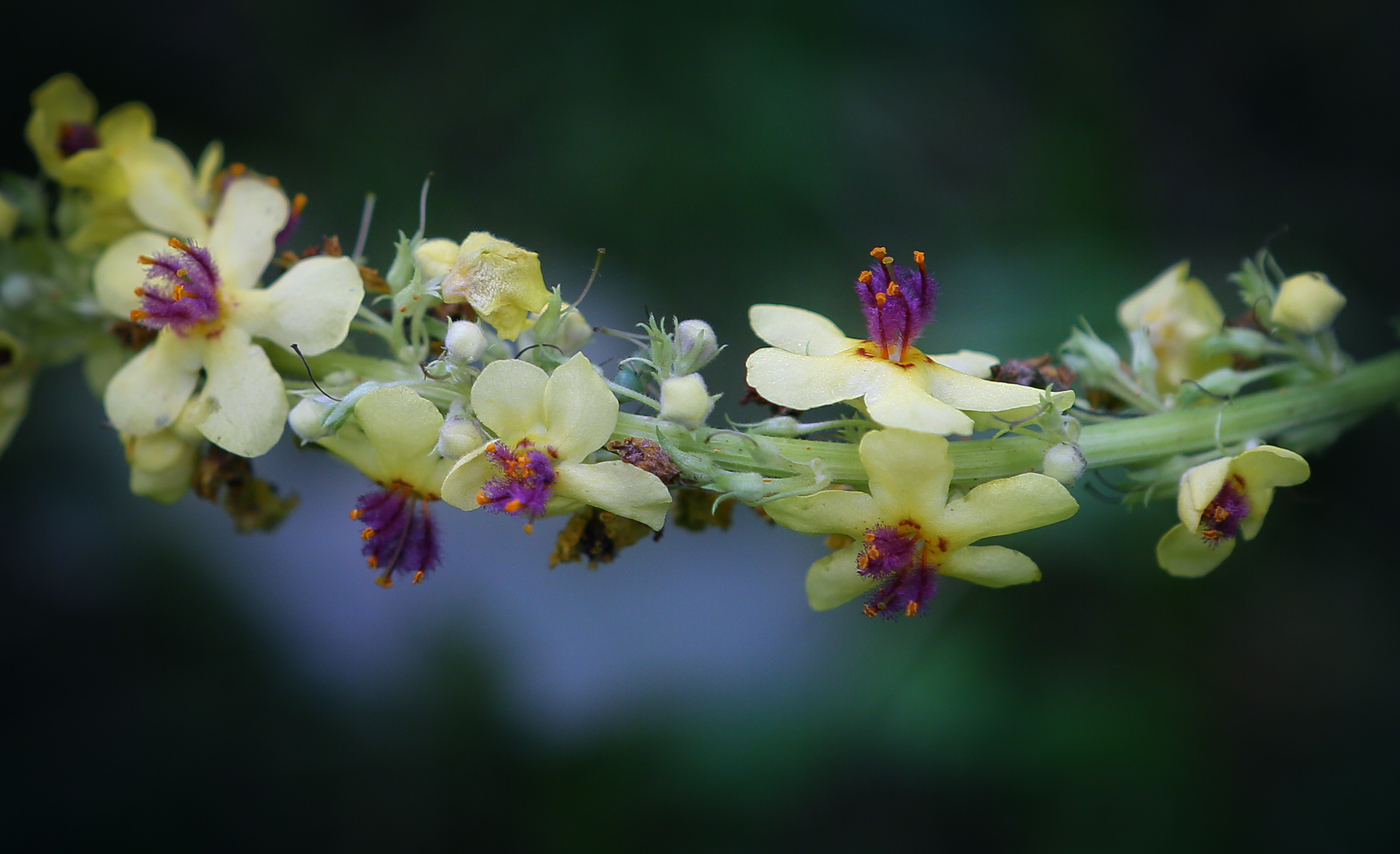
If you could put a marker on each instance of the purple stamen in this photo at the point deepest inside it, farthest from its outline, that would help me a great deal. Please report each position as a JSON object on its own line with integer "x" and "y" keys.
{"x": 76, "y": 136}
{"x": 399, "y": 533}
{"x": 525, "y": 484}
{"x": 1222, "y": 517}
{"x": 293, "y": 220}
{"x": 898, "y": 302}
{"x": 896, "y": 557}
{"x": 182, "y": 289}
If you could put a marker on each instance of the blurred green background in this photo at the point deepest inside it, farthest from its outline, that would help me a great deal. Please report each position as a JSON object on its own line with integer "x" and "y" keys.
{"x": 174, "y": 687}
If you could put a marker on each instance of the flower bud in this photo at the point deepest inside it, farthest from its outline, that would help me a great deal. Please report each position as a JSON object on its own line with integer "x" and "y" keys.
{"x": 1065, "y": 463}
{"x": 1307, "y": 303}
{"x": 459, "y": 436}
{"x": 465, "y": 341}
{"x": 308, "y": 419}
{"x": 435, "y": 257}
{"x": 686, "y": 401}
{"x": 696, "y": 346}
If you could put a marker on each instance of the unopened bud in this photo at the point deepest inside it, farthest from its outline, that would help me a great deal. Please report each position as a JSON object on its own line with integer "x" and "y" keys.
{"x": 1307, "y": 303}
{"x": 459, "y": 436}
{"x": 465, "y": 341}
{"x": 696, "y": 346}
{"x": 308, "y": 419}
{"x": 435, "y": 257}
{"x": 686, "y": 401}
{"x": 1065, "y": 463}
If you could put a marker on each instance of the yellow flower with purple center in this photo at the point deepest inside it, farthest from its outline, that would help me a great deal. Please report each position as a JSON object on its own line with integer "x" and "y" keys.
{"x": 907, "y": 531}
{"x": 202, "y": 293}
{"x": 812, "y": 363}
{"x": 1222, "y": 501}
{"x": 547, "y": 425}
{"x": 393, "y": 440}
{"x": 129, "y": 171}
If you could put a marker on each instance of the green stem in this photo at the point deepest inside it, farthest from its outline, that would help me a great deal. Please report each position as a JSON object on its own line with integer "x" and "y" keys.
{"x": 1146, "y": 439}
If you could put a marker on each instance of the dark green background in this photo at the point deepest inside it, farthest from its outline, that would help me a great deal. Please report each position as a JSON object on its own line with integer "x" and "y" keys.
{"x": 1049, "y": 158}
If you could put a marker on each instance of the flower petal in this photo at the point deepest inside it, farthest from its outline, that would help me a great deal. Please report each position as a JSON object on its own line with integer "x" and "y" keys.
{"x": 147, "y": 393}
{"x": 126, "y": 125}
{"x": 617, "y": 487}
{"x": 466, "y": 478}
{"x": 310, "y": 306}
{"x": 244, "y": 234}
{"x": 833, "y": 511}
{"x": 901, "y": 403}
{"x": 162, "y": 191}
{"x": 799, "y": 331}
{"x": 1264, "y": 469}
{"x": 991, "y": 566}
{"x": 971, "y": 362}
{"x": 909, "y": 474}
{"x": 806, "y": 382}
{"x": 403, "y": 428}
{"x": 971, "y": 394}
{"x": 1184, "y": 554}
{"x": 834, "y": 580}
{"x": 1198, "y": 488}
{"x": 508, "y": 398}
{"x": 243, "y": 395}
{"x": 119, "y": 272}
{"x": 1005, "y": 506}
{"x": 579, "y": 409}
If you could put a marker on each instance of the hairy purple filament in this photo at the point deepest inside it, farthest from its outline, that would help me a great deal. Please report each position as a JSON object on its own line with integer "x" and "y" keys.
{"x": 181, "y": 291}
{"x": 1222, "y": 517}
{"x": 399, "y": 533}
{"x": 896, "y": 556}
{"x": 76, "y": 136}
{"x": 293, "y": 220}
{"x": 898, "y": 302}
{"x": 525, "y": 484}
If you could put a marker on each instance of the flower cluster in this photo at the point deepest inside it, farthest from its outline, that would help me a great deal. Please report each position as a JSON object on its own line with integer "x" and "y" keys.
{"x": 458, "y": 380}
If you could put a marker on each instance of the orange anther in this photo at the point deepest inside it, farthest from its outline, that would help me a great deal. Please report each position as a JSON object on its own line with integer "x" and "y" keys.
{"x": 911, "y": 609}
{"x": 893, "y": 289}
{"x": 367, "y": 534}
{"x": 384, "y": 581}
{"x": 138, "y": 314}
{"x": 515, "y": 505}
{"x": 140, "y": 292}
{"x": 145, "y": 259}
{"x": 919, "y": 259}
{"x": 356, "y": 513}
{"x": 482, "y": 500}
{"x": 237, "y": 170}
{"x": 417, "y": 576}
{"x": 298, "y": 203}
{"x": 869, "y": 610}
{"x": 878, "y": 253}
{"x": 865, "y": 277}
{"x": 179, "y": 292}
{"x": 273, "y": 182}
{"x": 880, "y": 298}
{"x": 373, "y": 562}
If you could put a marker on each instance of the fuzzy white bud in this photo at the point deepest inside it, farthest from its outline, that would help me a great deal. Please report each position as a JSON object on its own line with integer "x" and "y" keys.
{"x": 465, "y": 341}
{"x": 459, "y": 436}
{"x": 696, "y": 346}
{"x": 435, "y": 257}
{"x": 686, "y": 401}
{"x": 308, "y": 419}
{"x": 1307, "y": 303}
{"x": 1065, "y": 463}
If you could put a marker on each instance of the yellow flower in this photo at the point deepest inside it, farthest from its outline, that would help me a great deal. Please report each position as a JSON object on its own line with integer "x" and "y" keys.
{"x": 206, "y": 300}
{"x": 128, "y": 171}
{"x": 812, "y": 363}
{"x": 906, "y": 532}
{"x": 1178, "y": 313}
{"x": 501, "y": 281}
{"x": 1222, "y": 500}
{"x": 547, "y": 425}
